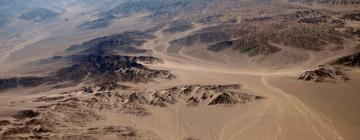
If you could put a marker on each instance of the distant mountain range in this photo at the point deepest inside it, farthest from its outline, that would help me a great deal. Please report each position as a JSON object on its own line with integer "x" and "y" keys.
{"x": 39, "y": 14}
{"x": 38, "y": 10}
{"x": 330, "y": 2}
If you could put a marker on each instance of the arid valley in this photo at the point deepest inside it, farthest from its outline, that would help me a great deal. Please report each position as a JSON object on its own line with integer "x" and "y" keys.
{"x": 180, "y": 69}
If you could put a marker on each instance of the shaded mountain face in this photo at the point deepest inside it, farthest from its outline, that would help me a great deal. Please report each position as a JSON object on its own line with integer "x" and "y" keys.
{"x": 110, "y": 68}
{"x": 329, "y": 2}
{"x": 325, "y": 74}
{"x": 60, "y": 114}
{"x": 3, "y": 20}
{"x": 297, "y": 28}
{"x": 255, "y": 36}
{"x": 37, "y": 10}
{"x": 101, "y": 22}
{"x": 113, "y": 70}
{"x": 99, "y": 61}
{"x": 94, "y": 68}
{"x": 154, "y": 6}
{"x": 351, "y": 60}
{"x": 126, "y": 42}
{"x": 39, "y": 14}
{"x": 163, "y": 9}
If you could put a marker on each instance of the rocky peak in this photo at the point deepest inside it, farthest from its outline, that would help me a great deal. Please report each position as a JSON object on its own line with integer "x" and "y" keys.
{"x": 351, "y": 60}
{"x": 325, "y": 74}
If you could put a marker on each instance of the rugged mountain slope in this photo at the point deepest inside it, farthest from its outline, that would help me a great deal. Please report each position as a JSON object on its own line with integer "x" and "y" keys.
{"x": 254, "y": 36}
{"x": 99, "y": 60}
{"x": 169, "y": 69}
{"x": 325, "y": 74}
{"x": 126, "y": 42}
{"x": 95, "y": 68}
{"x": 47, "y": 122}
{"x": 351, "y": 60}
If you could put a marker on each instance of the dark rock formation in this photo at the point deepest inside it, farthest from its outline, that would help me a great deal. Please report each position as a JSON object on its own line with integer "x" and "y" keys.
{"x": 251, "y": 45}
{"x": 328, "y": 2}
{"x": 258, "y": 19}
{"x": 314, "y": 20}
{"x": 39, "y": 14}
{"x": 49, "y": 99}
{"x": 4, "y": 122}
{"x": 210, "y": 19}
{"x": 224, "y": 98}
{"x": 178, "y": 26}
{"x": 109, "y": 68}
{"x": 125, "y": 42}
{"x": 255, "y": 36}
{"x": 155, "y": 6}
{"x": 133, "y": 101}
{"x": 323, "y": 74}
{"x": 101, "y": 22}
{"x": 96, "y": 68}
{"x": 352, "y": 16}
{"x": 351, "y": 60}
{"x": 356, "y": 33}
{"x": 94, "y": 60}
{"x": 191, "y": 138}
{"x": 147, "y": 60}
{"x": 67, "y": 113}
{"x": 202, "y": 37}
{"x": 164, "y": 9}
{"x": 44, "y": 129}
{"x": 25, "y": 114}
{"x": 21, "y": 82}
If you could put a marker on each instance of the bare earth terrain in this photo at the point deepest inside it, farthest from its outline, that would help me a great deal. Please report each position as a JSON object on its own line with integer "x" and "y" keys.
{"x": 181, "y": 70}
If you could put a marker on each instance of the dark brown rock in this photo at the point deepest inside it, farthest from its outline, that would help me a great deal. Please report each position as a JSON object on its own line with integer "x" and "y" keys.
{"x": 25, "y": 114}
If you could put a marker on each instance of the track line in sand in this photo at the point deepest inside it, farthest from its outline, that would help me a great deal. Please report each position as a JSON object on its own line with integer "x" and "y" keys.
{"x": 321, "y": 126}
{"x": 272, "y": 120}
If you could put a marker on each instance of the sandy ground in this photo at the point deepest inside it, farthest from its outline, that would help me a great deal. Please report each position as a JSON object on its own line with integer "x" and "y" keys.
{"x": 292, "y": 109}
{"x": 279, "y": 117}
{"x": 339, "y": 102}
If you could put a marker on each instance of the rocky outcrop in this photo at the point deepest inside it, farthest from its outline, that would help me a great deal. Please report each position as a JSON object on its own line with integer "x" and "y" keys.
{"x": 155, "y": 7}
{"x": 224, "y": 98}
{"x": 325, "y": 74}
{"x": 202, "y": 37}
{"x": 350, "y": 61}
{"x": 135, "y": 101}
{"x": 95, "y": 68}
{"x": 100, "y": 60}
{"x": 303, "y": 29}
{"x": 39, "y": 14}
{"x": 110, "y": 68}
{"x": 250, "y": 45}
{"x": 101, "y": 22}
{"x": 147, "y": 60}
{"x": 352, "y": 16}
{"x": 163, "y": 9}
{"x": 211, "y": 19}
{"x": 178, "y": 26}
{"x": 328, "y": 2}
{"x": 46, "y": 129}
{"x": 25, "y": 114}
{"x": 21, "y": 82}
{"x": 74, "y": 112}
{"x": 126, "y": 42}
{"x": 314, "y": 20}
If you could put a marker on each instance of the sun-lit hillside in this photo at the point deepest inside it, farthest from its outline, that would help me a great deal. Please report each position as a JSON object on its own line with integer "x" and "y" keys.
{"x": 180, "y": 69}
